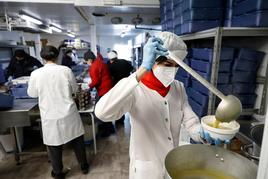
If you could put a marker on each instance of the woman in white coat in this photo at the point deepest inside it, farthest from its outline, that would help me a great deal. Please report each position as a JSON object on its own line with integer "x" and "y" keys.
{"x": 54, "y": 86}
{"x": 157, "y": 104}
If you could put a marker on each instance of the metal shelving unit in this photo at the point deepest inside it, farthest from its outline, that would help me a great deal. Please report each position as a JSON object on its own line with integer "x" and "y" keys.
{"x": 217, "y": 34}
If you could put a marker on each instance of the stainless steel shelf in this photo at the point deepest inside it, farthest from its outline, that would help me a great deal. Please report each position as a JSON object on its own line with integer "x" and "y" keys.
{"x": 227, "y": 32}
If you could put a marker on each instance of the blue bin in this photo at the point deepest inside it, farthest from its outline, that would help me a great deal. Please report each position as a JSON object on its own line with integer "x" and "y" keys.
{"x": 200, "y": 65}
{"x": 183, "y": 73}
{"x": 245, "y": 65}
{"x": 185, "y": 80}
{"x": 229, "y": 4}
{"x": 6, "y": 101}
{"x": 200, "y": 98}
{"x": 243, "y": 77}
{"x": 228, "y": 23}
{"x": 177, "y": 29}
{"x": 177, "y": 10}
{"x": 177, "y": 2}
{"x": 254, "y": 19}
{"x": 169, "y": 6}
{"x": 177, "y": 21}
{"x": 225, "y": 88}
{"x": 199, "y": 87}
{"x": 169, "y": 15}
{"x": 189, "y": 55}
{"x": 249, "y": 54}
{"x": 203, "y": 54}
{"x": 223, "y": 78}
{"x": 227, "y": 53}
{"x": 249, "y": 6}
{"x": 244, "y": 88}
{"x": 19, "y": 92}
{"x": 194, "y": 26}
{"x": 199, "y": 110}
{"x": 225, "y": 66}
{"x": 247, "y": 100}
{"x": 169, "y": 24}
{"x": 202, "y": 14}
{"x": 207, "y": 53}
{"x": 189, "y": 4}
{"x": 228, "y": 13}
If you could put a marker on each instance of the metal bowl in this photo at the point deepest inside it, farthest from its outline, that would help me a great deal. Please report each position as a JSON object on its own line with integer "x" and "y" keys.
{"x": 207, "y": 162}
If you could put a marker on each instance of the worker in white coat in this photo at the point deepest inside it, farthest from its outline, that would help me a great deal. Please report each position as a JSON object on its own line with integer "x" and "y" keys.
{"x": 157, "y": 104}
{"x": 54, "y": 86}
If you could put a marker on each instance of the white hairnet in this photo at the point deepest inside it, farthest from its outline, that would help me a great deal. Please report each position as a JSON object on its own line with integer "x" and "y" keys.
{"x": 177, "y": 49}
{"x": 112, "y": 55}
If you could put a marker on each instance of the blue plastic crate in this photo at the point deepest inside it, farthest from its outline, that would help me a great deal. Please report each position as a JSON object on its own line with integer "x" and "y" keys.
{"x": 6, "y": 101}
{"x": 169, "y": 24}
{"x": 177, "y": 20}
{"x": 228, "y": 23}
{"x": 2, "y": 75}
{"x": 225, "y": 66}
{"x": 223, "y": 78}
{"x": 245, "y": 65}
{"x": 177, "y": 2}
{"x": 199, "y": 110}
{"x": 200, "y": 98}
{"x": 199, "y": 87}
{"x": 243, "y": 77}
{"x": 200, "y": 65}
{"x": 254, "y": 19}
{"x": 229, "y": 3}
{"x": 169, "y": 15}
{"x": 19, "y": 92}
{"x": 189, "y": 4}
{"x": 189, "y": 55}
{"x": 228, "y": 14}
{"x": 194, "y": 26}
{"x": 203, "y": 54}
{"x": 247, "y": 99}
{"x": 249, "y": 6}
{"x": 225, "y": 88}
{"x": 169, "y": 6}
{"x": 249, "y": 54}
{"x": 185, "y": 80}
{"x": 177, "y": 29}
{"x": 202, "y": 14}
{"x": 177, "y": 10}
{"x": 244, "y": 88}
{"x": 227, "y": 53}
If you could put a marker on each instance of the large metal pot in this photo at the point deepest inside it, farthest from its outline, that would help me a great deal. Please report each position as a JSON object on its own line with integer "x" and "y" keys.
{"x": 207, "y": 162}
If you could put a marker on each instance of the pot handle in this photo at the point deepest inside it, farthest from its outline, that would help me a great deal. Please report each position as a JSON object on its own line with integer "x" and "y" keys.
{"x": 245, "y": 148}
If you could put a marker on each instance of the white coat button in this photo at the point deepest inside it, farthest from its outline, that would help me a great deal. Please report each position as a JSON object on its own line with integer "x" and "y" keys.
{"x": 169, "y": 138}
{"x": 166, "y": 119}
{"x": 165, "y": 103}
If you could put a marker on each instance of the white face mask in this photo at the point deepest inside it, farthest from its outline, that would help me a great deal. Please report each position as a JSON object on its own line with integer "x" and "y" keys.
{"x": 165, "y": 75}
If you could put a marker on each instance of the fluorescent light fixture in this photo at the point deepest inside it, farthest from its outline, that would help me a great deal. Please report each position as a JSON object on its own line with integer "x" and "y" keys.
{"x": 71, "y": 35}
{"x": 31, "y": 19}
{"x": 54, "y": 28}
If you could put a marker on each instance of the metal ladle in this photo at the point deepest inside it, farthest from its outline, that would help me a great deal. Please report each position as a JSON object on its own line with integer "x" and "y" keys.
{"x": 230, "y": 106}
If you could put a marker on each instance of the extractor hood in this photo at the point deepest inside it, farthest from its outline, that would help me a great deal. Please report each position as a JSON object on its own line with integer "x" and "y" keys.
{"x": 130, "y": 3}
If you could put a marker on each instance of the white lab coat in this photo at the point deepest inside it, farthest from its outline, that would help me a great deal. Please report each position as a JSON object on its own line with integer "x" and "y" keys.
{"x": 54, "y": 85}
{"x": 155, "y": 122}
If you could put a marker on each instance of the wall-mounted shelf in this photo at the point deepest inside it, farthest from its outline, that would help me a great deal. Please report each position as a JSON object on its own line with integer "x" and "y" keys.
{"x": 217, "y": 34}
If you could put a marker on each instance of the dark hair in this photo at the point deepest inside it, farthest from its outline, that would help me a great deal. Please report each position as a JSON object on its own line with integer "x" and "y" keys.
{"x": 115, "y": 52}
{"x": 161, "y": 59}
{"x": 49, "y": 53}
{"x": 89, "y": 55}
{"x": 20, "y": 53}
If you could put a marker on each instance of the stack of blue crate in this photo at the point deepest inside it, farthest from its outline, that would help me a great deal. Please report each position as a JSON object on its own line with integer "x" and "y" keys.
{"x": 244, "y": 75}
{"x": 169, "y": 15}
{"x": 177, "y": 16}
{"x": 201, "y": 63}
{"x": 250, "y": 13}
{"x": 228, "y": 13}
{"x": 201, "y": 15}
{"x": 162, "y": 14}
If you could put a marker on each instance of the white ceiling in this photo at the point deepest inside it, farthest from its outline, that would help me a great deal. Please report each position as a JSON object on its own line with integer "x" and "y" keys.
{"x": 68, "y": 18}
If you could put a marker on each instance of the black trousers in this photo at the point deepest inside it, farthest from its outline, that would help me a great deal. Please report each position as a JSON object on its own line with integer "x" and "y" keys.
{"x": 79, "y": 150}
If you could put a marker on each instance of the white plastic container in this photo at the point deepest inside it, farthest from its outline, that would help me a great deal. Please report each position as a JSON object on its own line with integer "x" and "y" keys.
{"x": 226, "y": 131}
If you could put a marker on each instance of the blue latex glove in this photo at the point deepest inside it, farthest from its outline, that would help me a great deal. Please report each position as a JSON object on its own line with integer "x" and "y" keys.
{"x": 151, "y": 50}
{"x": 211, "y": 140}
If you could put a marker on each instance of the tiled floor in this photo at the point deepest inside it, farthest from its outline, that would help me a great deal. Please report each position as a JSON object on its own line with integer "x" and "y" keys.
{"x": 111, "y": 162}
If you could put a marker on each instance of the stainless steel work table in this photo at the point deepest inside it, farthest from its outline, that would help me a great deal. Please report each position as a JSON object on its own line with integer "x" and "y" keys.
{"x": 19, "y": 116}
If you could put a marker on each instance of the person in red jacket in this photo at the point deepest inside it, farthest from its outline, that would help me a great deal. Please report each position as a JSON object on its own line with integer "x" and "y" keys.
{"x": 102, "y": 81}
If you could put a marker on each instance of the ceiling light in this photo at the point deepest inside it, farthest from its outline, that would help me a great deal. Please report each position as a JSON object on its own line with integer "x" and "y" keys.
{"x": 71, "y": 35}
{"x": 31, "y": 19}
{"x": 54, "y": 28}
